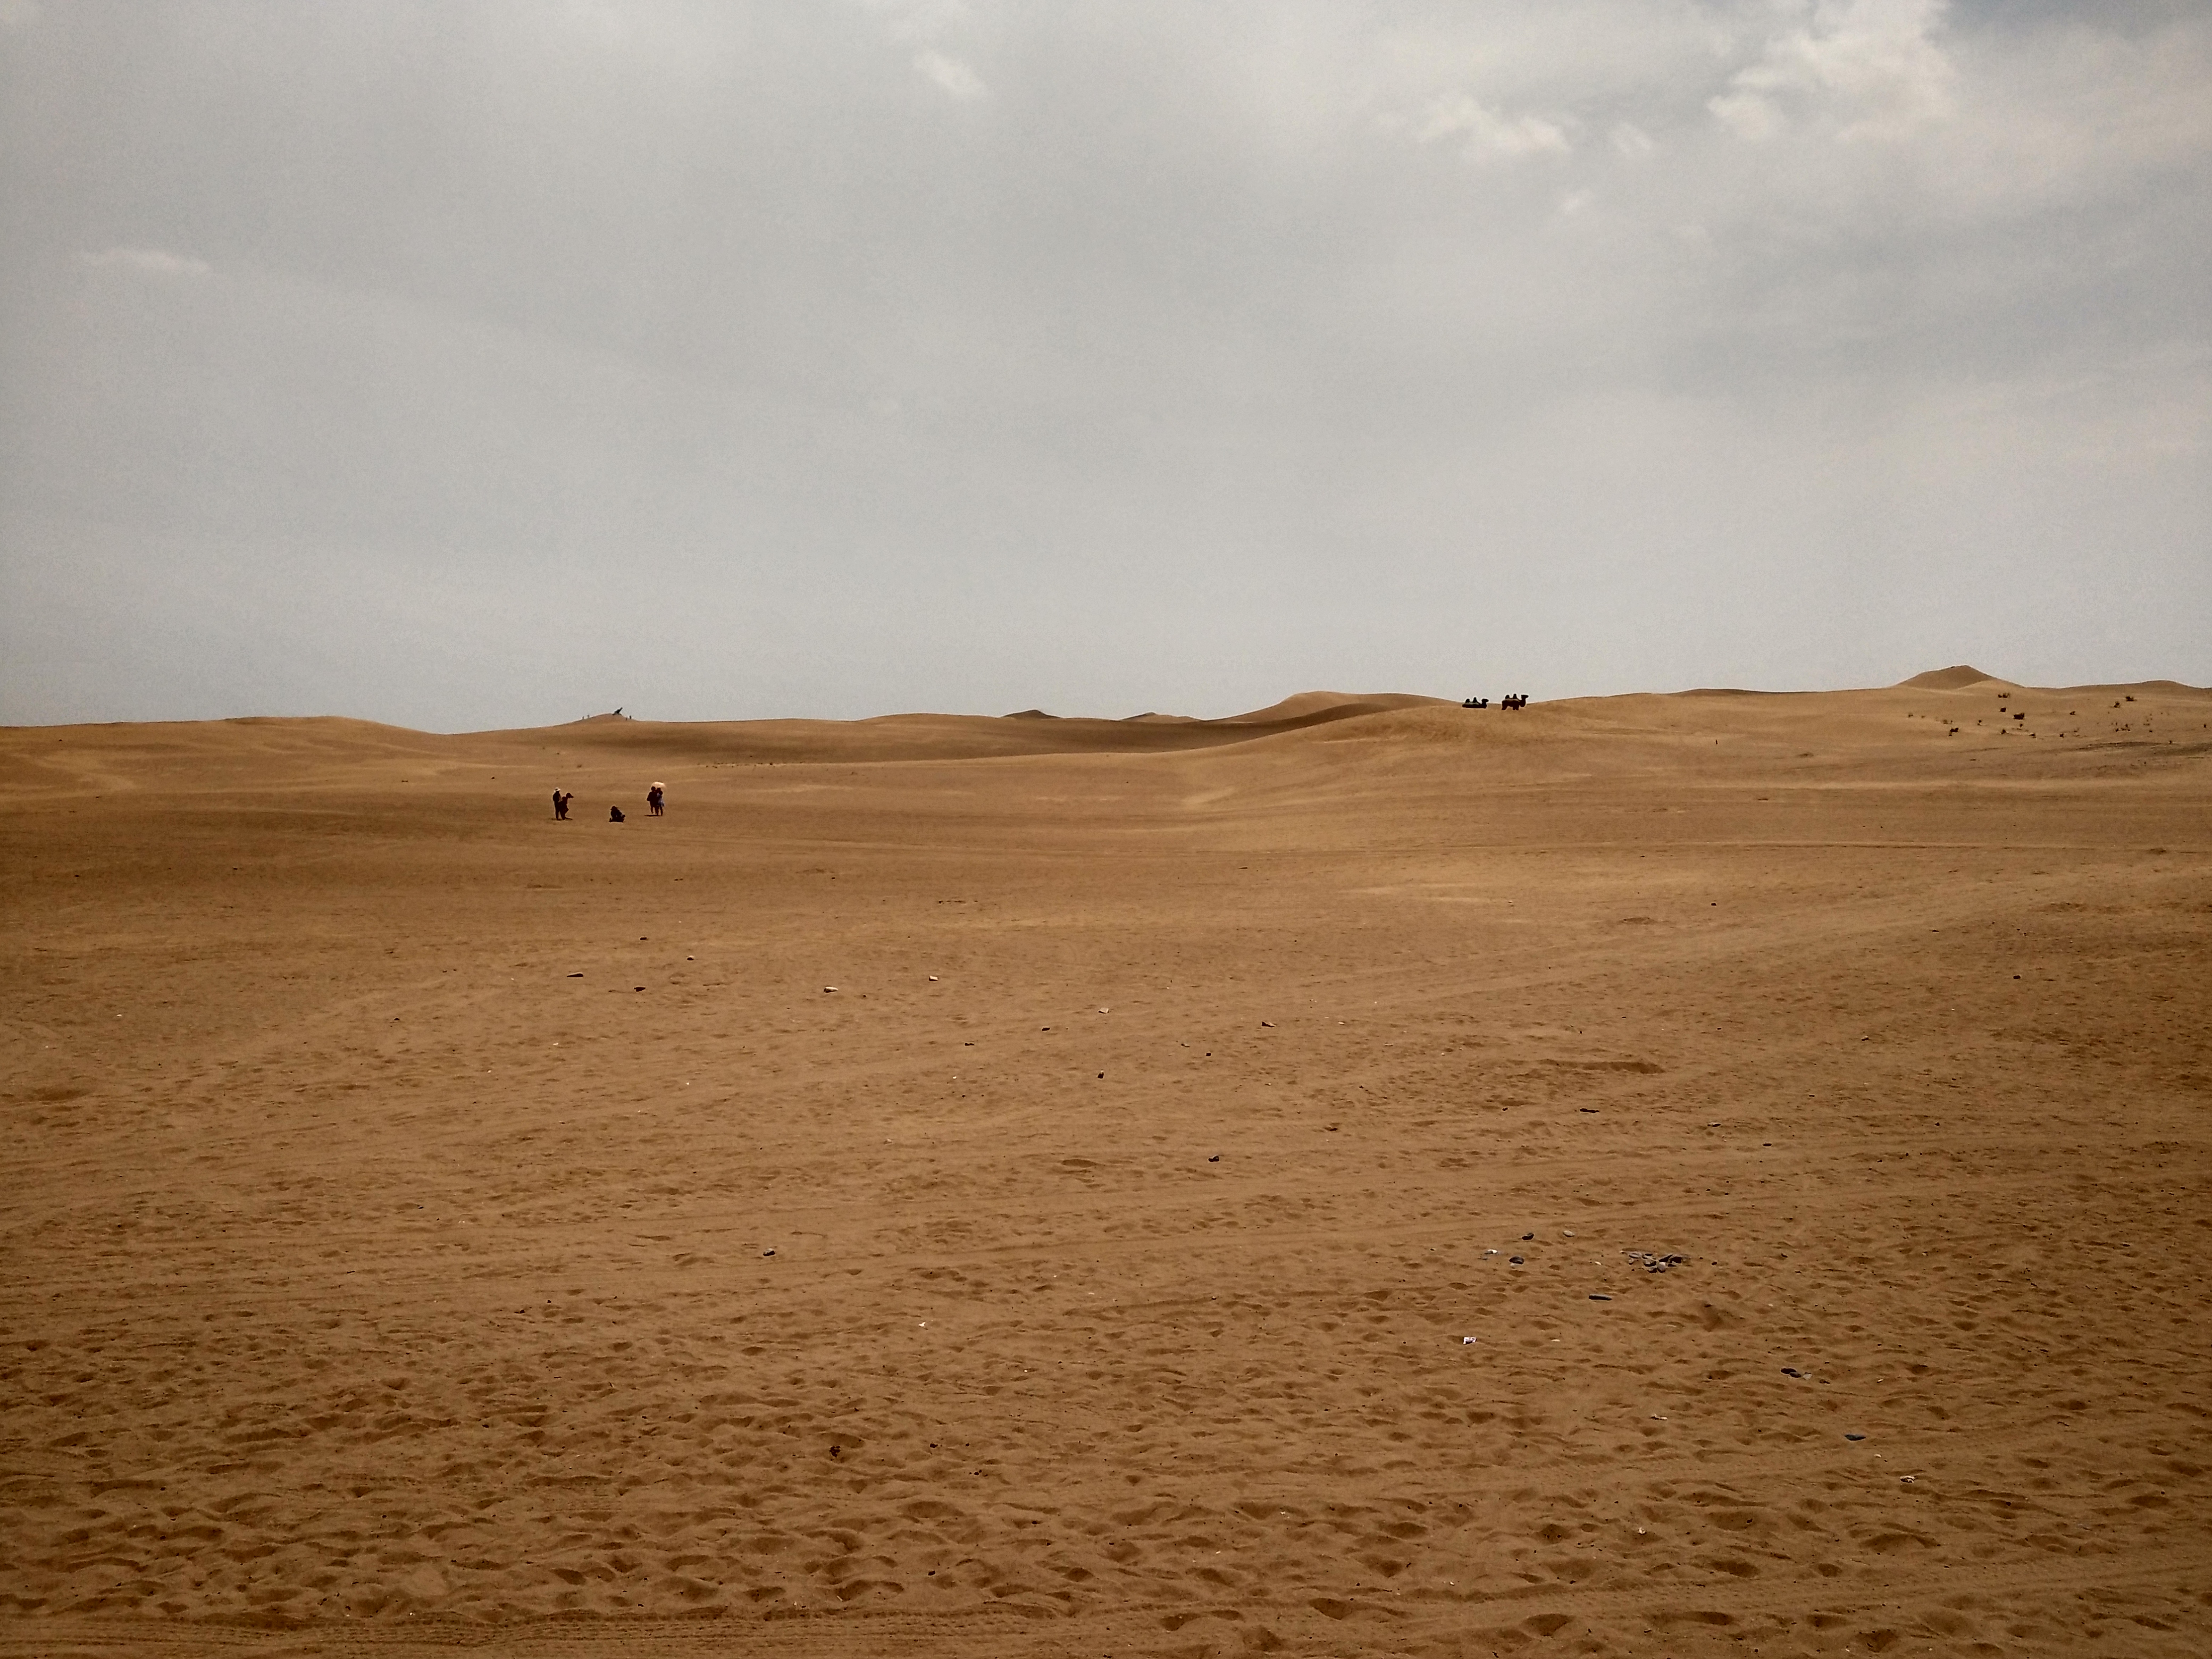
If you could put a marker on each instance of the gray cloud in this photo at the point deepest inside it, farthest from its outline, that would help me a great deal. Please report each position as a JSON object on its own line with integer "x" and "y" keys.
{"x": 493, "y": 363}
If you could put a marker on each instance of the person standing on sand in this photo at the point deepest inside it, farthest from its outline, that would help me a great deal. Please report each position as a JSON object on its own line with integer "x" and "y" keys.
{"x": 653, "y": 796}
{"x": 560, "y": 805}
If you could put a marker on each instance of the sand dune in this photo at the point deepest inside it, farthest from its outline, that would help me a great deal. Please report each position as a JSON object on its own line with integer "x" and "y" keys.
{"x": 1955, "y": 678}
{"x": 1656, "y": 1175}
{"x": 1317, "y": 708}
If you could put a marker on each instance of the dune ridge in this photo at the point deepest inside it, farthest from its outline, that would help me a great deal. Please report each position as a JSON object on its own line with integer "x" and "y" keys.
{"x": 1957, "y": 678}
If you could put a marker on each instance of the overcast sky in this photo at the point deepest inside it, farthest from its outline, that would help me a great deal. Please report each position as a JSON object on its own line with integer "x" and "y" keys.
{"x": 464, "y": 365}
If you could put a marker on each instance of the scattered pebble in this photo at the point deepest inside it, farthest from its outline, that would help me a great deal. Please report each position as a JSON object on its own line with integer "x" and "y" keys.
{"x": 827, "y": 989}
{"x": 1514, "y": 1259}
{"x": 768, "y": 1252}
{"x": 1791, "y": 1370}
{"x": 1469, "y": 1342}
{"x": 1595, "y": 1296}
{"x": 1854, "y": 1437}
{"x": 1216, "y": 1158}
{"x": 1269, "y": 1024}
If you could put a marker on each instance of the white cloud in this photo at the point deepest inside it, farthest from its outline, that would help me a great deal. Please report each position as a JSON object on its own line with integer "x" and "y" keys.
{"x": 951, "y": 76}
{"x": 916, "y": 20}
{"x": 1871, "y": 62}
{"x": 154, "y": 261}
{"x": 1633, "y": 142}
{"x": 1489, "y": 135}
{"x": 1747, "y": 114}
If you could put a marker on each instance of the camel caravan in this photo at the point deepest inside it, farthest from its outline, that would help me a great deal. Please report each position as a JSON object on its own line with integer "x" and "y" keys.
{"x": 1518, "y": 700}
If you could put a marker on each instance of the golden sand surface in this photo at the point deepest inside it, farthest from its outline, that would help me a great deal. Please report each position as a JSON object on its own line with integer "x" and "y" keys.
{"x": 1053, "y": 1188}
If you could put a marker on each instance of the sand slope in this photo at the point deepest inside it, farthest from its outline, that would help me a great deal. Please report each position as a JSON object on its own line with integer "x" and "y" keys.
{"x": 1957, "y": 678}
{"x": 429, "y": 1227}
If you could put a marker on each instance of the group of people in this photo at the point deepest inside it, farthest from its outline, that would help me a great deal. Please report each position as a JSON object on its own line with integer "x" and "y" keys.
{"x": 655, "y": 798}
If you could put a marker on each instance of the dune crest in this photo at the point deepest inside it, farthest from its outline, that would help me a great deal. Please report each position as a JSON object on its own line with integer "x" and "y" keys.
{"x": 1946, "y": 679}
{"x": 1332, "y": 705}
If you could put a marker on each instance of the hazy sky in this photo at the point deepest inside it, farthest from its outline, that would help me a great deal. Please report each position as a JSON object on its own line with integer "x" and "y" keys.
{"x": 467, "y": 365}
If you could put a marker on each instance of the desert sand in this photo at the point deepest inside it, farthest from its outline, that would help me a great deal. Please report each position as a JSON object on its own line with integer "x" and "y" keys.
{"x": 1043, "y": 1187}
